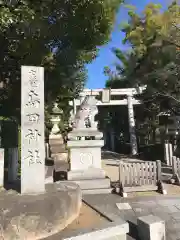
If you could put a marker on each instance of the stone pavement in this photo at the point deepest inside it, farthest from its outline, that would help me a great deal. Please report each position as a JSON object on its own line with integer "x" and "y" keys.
{"x": 114, "y": 207}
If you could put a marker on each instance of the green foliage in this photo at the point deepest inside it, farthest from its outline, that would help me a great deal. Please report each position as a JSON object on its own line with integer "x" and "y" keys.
{"x": 62, "y": 36}
{"x": 154, "y": 61}
{"x": 9, "y": 133}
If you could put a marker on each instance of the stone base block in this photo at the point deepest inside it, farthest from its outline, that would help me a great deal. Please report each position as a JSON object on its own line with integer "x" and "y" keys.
{"x": 151, "y": 228}
{"x": 85, "y": 133}
{"x": 39, "y": 216}
{"x": 97, "y": 191}
{"x": 91, "y": 173}
{"x": 49, "y": 174}
{"x": 93, "y": 183}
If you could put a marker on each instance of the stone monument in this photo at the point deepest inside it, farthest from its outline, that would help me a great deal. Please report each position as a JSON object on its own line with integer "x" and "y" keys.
{"x": 85, "y": 150}
{"x": 32, "y": 130}
{"x": 42, "y": 210}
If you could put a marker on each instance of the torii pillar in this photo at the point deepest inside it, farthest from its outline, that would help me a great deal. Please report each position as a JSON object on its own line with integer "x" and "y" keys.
{"x": 132, "y": 132}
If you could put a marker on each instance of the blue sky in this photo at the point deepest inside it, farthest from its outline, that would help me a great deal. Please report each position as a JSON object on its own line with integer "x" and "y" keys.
{"x": 96, "y": 78}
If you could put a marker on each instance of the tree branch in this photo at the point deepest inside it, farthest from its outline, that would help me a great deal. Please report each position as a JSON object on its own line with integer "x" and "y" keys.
{"x": 169, "y": 96}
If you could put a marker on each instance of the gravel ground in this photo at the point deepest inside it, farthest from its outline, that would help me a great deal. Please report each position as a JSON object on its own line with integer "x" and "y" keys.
{"x": 88, "y": 219}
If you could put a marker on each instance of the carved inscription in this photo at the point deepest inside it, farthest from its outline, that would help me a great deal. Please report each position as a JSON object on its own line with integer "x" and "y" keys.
{"x": 33, "y": 157}
{"x": 33, "y": 99}
{"x": 86, "y": 159}
{"x": 33, "y": 78}
{"x": 32, "y": 135}
{"x": 33, "y": 117}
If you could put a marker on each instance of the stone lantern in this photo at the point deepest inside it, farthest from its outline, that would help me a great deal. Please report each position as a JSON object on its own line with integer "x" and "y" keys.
{"x": 57, "y": 146}
{"x": 55, "y": 120}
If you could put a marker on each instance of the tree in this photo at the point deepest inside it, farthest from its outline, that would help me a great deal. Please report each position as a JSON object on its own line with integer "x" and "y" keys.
{"x": 156, "y": 57}
{"x": 153, "y": 60}
{"x": 117, "y": 78}
{"x": 60, "y": 35}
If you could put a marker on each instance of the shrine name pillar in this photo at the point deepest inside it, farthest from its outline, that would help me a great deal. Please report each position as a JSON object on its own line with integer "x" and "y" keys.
{"x": 132, "y": 131}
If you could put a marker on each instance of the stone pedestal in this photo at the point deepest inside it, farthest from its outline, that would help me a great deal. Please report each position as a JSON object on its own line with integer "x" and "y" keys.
{"x": 85, "y": 166}
{"x": 85, "y": 161}
{"x": 85, "y": 154}
{"x": 85, "y": 151}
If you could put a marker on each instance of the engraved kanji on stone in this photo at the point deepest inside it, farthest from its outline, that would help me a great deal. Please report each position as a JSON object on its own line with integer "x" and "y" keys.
{"x": 33, "y": 78}
{"x": 33, "y": 157}
{"x": 33, "y": 117}
{"x": 33, "y": 100}
{"x": 32, "y": 135}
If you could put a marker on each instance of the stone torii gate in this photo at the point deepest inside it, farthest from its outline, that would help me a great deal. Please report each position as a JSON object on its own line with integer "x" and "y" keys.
{"x": 106, "y": 94}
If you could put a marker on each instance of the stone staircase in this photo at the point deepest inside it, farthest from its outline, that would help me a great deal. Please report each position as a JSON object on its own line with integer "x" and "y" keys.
{"x": 58, "y": 154}
{"x": 95, "y": 186}
{"x": 49, "y": 170}
{"x": 88, "y": 185}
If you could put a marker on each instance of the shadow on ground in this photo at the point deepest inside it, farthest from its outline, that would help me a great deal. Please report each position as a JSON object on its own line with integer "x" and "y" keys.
{"x": 16, "y": 186}
{"x": 133, "y": 233}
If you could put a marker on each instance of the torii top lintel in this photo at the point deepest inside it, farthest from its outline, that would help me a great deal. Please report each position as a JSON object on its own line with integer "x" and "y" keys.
{"x": 119, "y": 91}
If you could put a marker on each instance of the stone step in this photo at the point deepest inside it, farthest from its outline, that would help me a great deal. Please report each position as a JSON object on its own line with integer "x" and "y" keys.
{"x": 49, "y": 174}
{"x": 88, "y": 174}
{"x": 97, "y": 191}
{"x": 94, "y": 183}
{"x": 61, "y": 166}
{"x": 49, "y": 171}
{"x": 57, "y": 149}
{"x": 49, "y": 180}
{"x": 59, "y": 157}
{"x": 56, "y": 140}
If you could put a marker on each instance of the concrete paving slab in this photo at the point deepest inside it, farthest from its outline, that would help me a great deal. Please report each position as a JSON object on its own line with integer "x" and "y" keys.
{"x": 178, "y": 206}
{"x": 164, "y": 207}
{"x": 176, "y": 216}
{"x": 123, "y": 206}
{"x": 115, "y": 230}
